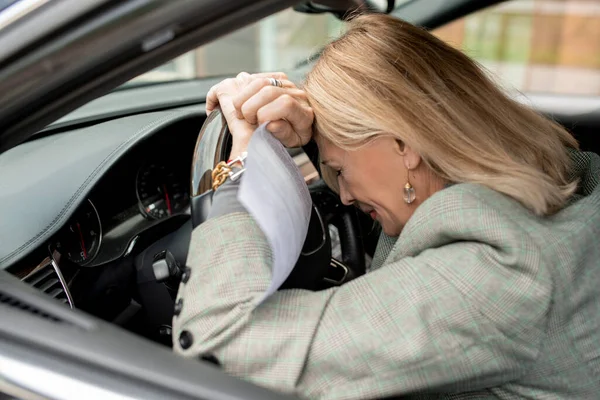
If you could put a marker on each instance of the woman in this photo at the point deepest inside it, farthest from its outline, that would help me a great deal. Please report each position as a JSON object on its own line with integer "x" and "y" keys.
{"x": 485, "y": 281}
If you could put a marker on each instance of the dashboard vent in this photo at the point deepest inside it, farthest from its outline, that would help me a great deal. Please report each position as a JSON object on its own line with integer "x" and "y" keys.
{"x": 14, "y": 302}
{"x": 48, "y": 279}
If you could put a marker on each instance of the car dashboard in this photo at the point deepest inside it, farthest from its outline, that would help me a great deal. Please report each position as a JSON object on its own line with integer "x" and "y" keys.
{"x": 93, "y": 246}
{"x": 94, "y": 206}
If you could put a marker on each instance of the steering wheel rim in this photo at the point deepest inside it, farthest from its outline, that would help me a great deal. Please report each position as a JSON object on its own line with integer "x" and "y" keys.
{"x": 212, "y": 146}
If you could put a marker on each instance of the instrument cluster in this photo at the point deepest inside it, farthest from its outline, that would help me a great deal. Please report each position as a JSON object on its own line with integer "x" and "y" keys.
{"x": 161, "y": 192}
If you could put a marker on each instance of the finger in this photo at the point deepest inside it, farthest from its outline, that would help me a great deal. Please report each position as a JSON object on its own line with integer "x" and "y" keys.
{"x": 212, "y": 97}
{"x": 253, "y": 88}
{"x": 265, "y": 96}
{"x": 299, "y": 117}
{"x": 211, "y": 100}
{"x": 244, "y": 77}
{"x": 275, "y": 75}
{"x": 284, "y": 132}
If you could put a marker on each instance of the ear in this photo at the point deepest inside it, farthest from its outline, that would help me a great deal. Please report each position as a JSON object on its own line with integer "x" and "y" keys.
{"x": 411, "y": 158}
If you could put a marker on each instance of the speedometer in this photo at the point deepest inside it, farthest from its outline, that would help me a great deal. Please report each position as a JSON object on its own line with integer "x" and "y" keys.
{"x": 79, "y": 240}
{"x": 160, "y": 192}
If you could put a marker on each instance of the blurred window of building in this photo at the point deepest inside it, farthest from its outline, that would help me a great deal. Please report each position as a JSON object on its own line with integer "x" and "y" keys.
{"x": 277, "y": 43}
{"x": 534, "y": 46}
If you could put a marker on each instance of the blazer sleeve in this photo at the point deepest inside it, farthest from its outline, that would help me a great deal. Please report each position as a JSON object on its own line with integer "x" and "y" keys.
{"x": 459, "y": 317}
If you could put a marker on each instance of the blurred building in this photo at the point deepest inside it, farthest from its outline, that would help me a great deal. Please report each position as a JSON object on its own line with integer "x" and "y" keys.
{"x": 549, "y": 46}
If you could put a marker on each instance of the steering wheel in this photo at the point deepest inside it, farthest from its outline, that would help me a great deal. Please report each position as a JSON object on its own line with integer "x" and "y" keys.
{"x": 315, "y": 269}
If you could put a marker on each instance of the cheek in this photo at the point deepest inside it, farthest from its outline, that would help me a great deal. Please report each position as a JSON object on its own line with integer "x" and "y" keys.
{"x": 374, "y": 180}
{"x": 373, "y": 175}
{"x": 379, "y": 185}
{"x": 358, "y": 183}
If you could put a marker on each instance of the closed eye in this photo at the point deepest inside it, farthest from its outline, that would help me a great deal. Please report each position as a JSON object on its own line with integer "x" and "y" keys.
{"x": 338, "y": 172}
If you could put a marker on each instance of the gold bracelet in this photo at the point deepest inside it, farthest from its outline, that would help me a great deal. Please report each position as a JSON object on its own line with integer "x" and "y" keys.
{"x": 224, "y": 170}
{"x": 220, "y": 174}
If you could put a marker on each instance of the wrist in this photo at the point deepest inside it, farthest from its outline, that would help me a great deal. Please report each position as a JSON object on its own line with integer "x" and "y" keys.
{"x": 237, "y": 149}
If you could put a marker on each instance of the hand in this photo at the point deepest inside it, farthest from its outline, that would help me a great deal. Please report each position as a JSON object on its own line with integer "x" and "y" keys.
{"x": 250, "y": 100}
{"x": 286, "y": 107}
{"x": 221, "y": 95}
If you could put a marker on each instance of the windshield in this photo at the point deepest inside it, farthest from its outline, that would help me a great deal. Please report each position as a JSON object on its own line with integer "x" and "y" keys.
{"x": 280, "y": 42}
{"x": 277, "y": 43}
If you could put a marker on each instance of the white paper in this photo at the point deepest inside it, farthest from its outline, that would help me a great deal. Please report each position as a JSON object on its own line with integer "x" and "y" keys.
{"x": 275, "y": 194}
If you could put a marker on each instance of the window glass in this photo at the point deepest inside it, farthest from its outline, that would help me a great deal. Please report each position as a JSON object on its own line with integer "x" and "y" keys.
{"x": 535, "y": 46}
{"x": 6, "y": 3}
{"x": 277, "y": 43}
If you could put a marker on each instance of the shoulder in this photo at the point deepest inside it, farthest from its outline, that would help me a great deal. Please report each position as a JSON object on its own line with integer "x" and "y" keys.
{"x": 466, "y": 213}
{"x": 484, "y": 245}
{"x": 467, "y": 197}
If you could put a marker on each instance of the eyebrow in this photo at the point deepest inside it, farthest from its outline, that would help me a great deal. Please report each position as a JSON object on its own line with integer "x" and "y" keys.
{"x": 328, "y": 163}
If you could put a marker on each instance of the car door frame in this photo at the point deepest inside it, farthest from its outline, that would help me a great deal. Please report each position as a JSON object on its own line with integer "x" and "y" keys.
{"x": 61, "y": 59}
{"x": 65, "y": 54}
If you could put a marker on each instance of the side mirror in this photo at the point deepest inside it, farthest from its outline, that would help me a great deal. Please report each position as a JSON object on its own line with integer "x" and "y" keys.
{"x": 344, "y": 9}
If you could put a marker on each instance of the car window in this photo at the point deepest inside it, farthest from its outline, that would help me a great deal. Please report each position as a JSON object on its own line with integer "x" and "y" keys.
{"x": 535, "y": 46}
{"x": 277, "y": 43}
{"x": 280, "y": 42}
{"x": 6, "y": 3}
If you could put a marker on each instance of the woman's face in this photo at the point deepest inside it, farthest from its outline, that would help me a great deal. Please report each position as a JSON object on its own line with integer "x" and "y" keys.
{"x": 373, "y": 176}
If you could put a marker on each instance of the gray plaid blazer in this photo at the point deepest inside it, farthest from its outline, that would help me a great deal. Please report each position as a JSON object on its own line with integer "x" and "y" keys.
{"x": 477, "y": 298}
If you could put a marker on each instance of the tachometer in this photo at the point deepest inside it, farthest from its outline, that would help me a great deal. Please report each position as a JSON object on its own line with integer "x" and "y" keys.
{"x": 80, "y": 239}
{"x": 160, "y": 192}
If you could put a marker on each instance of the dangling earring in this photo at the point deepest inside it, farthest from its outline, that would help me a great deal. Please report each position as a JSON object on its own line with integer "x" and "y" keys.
{"x": 409, "y": 191}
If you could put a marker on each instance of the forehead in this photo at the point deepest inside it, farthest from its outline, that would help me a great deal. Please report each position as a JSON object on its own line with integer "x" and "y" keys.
{"x": 375, "y": 148}
{"x": 327, "y": 150}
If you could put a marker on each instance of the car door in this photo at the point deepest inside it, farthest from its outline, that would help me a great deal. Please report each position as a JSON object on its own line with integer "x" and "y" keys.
{"x": 89, "y": 48}
{"x": 56, "y": 55}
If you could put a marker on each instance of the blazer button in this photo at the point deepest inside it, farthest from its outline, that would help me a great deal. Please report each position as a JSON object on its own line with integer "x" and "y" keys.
{"x": 186, "y": 275}
{"x": 178, "y": 307}
{"x": 186, "y": 340}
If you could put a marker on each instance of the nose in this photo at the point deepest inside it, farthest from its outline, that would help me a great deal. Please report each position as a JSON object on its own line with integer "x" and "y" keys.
{"x": 345, "y": 196}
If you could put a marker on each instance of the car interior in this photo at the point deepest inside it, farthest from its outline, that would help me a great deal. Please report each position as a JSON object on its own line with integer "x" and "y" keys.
{"x": 99, "y": 207}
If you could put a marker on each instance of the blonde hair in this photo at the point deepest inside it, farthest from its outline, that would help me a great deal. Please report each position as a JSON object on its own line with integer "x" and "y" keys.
{"x": 387, "y": 77}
